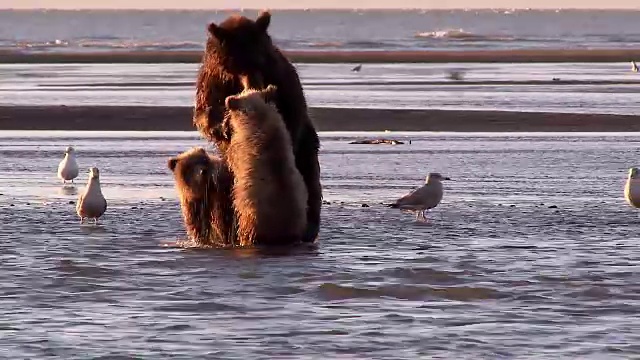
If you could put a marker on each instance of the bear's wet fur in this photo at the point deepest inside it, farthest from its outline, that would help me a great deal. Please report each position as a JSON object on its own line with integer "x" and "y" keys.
{"x": 202, "y": 181}
{"x": 240, "y": 54}
{"x": 269, "y": 194}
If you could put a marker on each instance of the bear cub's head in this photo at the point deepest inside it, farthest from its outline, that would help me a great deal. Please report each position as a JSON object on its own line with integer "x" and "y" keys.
{"x": 252, "y": 100}
{"x": 193, "y": 170}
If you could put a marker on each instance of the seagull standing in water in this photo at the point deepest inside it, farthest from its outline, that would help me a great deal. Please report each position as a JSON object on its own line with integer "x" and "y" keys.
{"x": 68, "y": 167}
{"x": 424, "y": 198}
{"x": 91, "y": 202}
{"x": 632, "y": 188}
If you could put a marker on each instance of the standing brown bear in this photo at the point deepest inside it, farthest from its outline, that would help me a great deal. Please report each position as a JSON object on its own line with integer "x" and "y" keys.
{"x": 240, "y": 54}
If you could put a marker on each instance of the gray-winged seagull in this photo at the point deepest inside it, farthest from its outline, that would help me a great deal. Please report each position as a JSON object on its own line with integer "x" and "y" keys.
{"x": 424, "y": 198}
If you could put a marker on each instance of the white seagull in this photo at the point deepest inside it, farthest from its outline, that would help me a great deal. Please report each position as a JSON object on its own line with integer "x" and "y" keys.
{"x": 424, "y": 198}
{"x": 632, "y": 188}
{"x": 91, "y": 202}
{"x": 68, "y": 167}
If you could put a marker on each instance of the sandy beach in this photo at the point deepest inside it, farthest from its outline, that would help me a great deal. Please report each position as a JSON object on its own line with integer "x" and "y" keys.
{"x": 467, "y": 56}
{"x": 141, "y": 118}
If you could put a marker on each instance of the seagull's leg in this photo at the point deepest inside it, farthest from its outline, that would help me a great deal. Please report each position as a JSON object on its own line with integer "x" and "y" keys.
{"x": 418, "y": 215}
{"x": 95, "y": 221}
{"x": 424, "y": 216}
{"x": 81, "y": 219}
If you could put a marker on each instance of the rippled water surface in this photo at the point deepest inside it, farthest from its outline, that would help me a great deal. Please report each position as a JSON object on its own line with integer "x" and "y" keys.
{"x": 533, "y": 253}
{"x": 584, "y": 88}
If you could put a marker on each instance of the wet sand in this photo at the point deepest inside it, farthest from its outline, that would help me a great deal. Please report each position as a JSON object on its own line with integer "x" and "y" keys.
{"x": 145, "y": 118}
{"x": 483, "y": 56}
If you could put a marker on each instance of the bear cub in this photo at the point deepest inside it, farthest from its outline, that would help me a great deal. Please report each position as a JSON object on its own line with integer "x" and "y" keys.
{"x": 269, "y": 193}
{"x": 203, "y": 182}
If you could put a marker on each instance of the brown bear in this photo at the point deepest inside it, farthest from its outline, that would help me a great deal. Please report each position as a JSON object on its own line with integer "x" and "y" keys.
{"x": 202, "y": 181}
{"x": 240, "y": 54}
{"x": 269, "y": 194}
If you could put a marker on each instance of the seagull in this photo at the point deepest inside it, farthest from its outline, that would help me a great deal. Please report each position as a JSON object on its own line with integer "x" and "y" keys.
{"x": 91, "y": 202}
{"x": 632, "y": 188}
{"x": 68, "y": 167}
{"x": 424, "y": 198}
{"x": 357, "y": 68}
{"x": 455, "y": 74}
{"x": 634, "y": 67}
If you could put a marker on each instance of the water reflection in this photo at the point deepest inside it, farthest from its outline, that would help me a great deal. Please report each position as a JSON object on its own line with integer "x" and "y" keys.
{"x": 68, "y": 190}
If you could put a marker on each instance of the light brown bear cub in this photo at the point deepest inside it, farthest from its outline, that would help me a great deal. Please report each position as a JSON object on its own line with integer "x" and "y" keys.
{"x": 202, "y": 181}
{"x": 269, "y": 193}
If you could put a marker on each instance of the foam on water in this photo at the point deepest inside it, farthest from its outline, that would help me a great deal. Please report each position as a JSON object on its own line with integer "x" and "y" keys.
{"x": 532, "y": 253}
{"x": 72, "y": 31}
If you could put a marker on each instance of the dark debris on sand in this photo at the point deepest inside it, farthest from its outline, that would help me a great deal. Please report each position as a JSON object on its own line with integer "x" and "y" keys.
{"x": 377, "y": 141}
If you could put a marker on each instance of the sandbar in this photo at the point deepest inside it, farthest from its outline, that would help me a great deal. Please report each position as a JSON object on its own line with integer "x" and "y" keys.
{"x": 150, "y": 118}
{"x": 339, "y": 56}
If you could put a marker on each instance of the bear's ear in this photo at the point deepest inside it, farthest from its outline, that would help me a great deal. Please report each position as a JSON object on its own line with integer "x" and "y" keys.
{"x": 232, "y": 102}
{"x": 269, "y": 94}
{"x": 263, "y": 21}
{"x": 172, "y": 164}
{"x": 216, "y": 31}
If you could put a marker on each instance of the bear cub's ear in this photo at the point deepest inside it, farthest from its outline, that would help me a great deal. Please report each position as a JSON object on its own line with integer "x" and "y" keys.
{"x": 172, "y": 164}
{"x": 216, "y": 31}
{"x": 263, "y": 20}
{"x": 269, "y": 94}
{"x": 232, "y": 102}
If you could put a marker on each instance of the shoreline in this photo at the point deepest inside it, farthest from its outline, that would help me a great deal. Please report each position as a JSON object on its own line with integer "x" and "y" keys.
{"x": 166, "y": 84}
{"x": 336, "y": 56}
{"x": 150, "y": 118}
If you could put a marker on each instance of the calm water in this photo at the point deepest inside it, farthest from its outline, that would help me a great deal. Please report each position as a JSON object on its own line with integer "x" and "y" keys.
{"x": 416, "y": 86}
{"x": 532, "y": 254}
{"x": 322, "y": 29}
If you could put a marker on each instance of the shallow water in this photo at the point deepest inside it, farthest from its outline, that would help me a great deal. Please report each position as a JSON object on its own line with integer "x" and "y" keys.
{"x": 532, "y": 254}
{"x": 392, "y": 86}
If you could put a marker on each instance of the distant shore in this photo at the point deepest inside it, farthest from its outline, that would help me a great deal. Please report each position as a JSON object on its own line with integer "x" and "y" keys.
{"x": 328, "y": 56}
{"x": 146, "y": 118}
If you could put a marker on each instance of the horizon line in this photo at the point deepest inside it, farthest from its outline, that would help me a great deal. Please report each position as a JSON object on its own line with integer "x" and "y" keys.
{"x": 317, "y": 8}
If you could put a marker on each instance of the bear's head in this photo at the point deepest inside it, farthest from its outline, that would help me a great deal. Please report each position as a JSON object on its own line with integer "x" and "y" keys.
{"x": 193, "y": 171}
{"x": 252, "y": 101}
{"x": 242, "y": 45}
